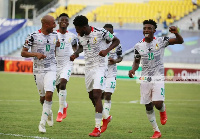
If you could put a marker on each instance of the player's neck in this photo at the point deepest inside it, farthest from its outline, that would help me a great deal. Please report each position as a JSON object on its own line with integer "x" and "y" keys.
{"x": 62, "y": 30}
{"x": 148, "y": 40}
{"x": 44, "y": 31}
{"x": 89, "y": 30}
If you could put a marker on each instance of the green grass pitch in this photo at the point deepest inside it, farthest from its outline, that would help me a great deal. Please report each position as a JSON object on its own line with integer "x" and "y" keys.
{"x": 20, "y": 111}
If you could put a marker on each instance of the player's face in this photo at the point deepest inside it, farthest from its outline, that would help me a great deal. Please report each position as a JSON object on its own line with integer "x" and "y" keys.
{"x": 63, "y": 22}
{"x": 81, "y": 30}
{"x": 51, "y": 24}
{"x": 110, "y": 30}
{"x": 148, "y": 31}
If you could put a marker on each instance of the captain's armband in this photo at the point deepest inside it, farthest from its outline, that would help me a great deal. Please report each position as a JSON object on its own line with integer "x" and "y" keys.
{"x": 137, "y": 56}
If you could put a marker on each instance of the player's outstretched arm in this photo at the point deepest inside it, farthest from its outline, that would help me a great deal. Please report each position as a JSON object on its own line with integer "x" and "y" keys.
{"x": 178, "y": 39}
{"x": 115, "y": 43}
{"x": 76, "y": 54}
{"x": 135, "y": 66}
{"x": 25, "y": 53}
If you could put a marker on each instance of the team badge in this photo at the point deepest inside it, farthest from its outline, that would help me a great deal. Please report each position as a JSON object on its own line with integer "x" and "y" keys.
{"x": 94, "y": 40}
{"x": 157, "y": 47}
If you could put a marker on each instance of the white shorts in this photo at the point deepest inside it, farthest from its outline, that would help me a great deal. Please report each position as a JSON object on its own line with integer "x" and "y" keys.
{"x": 110, "y": 84}
{"x": 45, "y": 82}
{"x": 64, "y": 72}
{"x": 152, "y": 92}
{"x": 94, "y": 78}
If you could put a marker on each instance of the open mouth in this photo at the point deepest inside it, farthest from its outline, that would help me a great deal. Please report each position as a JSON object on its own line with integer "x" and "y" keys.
{"x": 146, "y": 35}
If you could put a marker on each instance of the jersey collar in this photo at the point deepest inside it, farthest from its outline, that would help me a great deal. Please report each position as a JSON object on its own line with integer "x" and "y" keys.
{"x": 59, "y": 31}
{"x": 144, "y": 39}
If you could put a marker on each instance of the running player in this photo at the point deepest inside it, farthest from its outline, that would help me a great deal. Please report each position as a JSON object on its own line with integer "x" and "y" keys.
{"x": 93, "y": 42}
{"x": 150, "y": 51}
{"x": 68, "y": 43}
{"x": 115, "y": 56}
{"x": 42, "y": 44}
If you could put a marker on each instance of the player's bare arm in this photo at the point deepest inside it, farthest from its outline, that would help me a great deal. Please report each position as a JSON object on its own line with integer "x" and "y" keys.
{"x": 135, "y": 66}
{"x": 76, "y": 54}
{"x": 114, "y": 61}
{"x": 74, "y": 47}
{"x": 178, "y": 39}
{"x": 25, "y": 53}
{"x": 115, "y": 43}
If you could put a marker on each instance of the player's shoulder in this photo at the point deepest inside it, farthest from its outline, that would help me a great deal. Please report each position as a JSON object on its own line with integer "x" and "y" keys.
{"x": 162, "y": 39}
{"x": 97, "y": 29}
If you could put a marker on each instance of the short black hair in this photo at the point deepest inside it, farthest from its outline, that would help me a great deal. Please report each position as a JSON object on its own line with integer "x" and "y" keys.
{"x": 80, "y": 21}
{"x": 63, "y": 14}
{"x": 150, "y": 21}
{"x": 108, "y": 26}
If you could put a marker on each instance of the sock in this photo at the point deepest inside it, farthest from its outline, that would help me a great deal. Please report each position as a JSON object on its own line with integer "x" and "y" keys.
{"x": 152, "y": 119}
{"x": 98, "y": 118}
{"x": 46, "y": 111}
{"x": 62, "y": 100}
{"x": 163, "y": 108}
{"x": 106, "y": 109}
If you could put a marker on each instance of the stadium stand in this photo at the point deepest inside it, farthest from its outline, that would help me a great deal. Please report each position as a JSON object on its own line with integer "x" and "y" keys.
{"x": 16, "y": 41}
{"x": 137, "y": 12}
{"x": 70, "y": 10}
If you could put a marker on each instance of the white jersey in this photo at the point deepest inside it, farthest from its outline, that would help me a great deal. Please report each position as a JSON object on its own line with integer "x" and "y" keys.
{"x": 152, "y": 56}
{"x": 65, "y": 50}
{"x": 93, "y": 44}
{"x": 114, "y": 54}
{"x": 44, "y": 44}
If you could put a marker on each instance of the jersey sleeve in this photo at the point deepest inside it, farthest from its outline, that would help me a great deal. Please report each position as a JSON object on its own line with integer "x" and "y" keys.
{"x": 107, "y": 35}
{"x": 165, "y": 41}
{"x": 136, "y": 53}
{"x": 74, "y": 40}
{"x": 29, "y": 41}
{"x": 119, "y": 50}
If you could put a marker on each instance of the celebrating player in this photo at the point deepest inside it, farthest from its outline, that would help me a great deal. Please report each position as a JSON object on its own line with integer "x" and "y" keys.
{"x": 68, "y": 43}
{"x": 150, "y": 51}
{"x": 42, "y": 44}
{"x": 93, "y": 42}
{"x": 115, "y": 56}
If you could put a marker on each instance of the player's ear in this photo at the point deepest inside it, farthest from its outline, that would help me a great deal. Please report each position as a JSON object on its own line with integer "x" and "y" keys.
{"x": 154, "y": 31}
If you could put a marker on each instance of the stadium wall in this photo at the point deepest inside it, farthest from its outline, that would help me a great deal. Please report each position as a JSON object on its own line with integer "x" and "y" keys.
{"x": 177, "y": 73}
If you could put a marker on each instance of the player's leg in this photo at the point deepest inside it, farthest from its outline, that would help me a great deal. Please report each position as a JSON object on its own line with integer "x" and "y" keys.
{"x": 158, "y": 97}
{"x": 98, "y": 115}
{"x": 98, "y": 86}
{"x": 89, "y": 84}
{"x": 146, "y": 98}
{"x": 106, "y": 111}
{"x": 62, "y": 100}
{"x": 47, "y": 114}
{"x": 110, "y": 84}
{"x": 91, "y": 97}
{"x": 152, "y": 119}
{"x": 63, "y": 76}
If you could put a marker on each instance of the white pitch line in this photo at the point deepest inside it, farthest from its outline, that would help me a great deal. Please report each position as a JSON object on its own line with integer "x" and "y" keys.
{"x": 17, "y": 135}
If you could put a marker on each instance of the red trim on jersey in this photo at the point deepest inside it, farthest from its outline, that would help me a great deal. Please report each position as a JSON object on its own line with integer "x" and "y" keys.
{"x": 39, "y": 31}
{"x": 92, "y": 28}
{"x": 59, "y": 31}
{"x": 144, "y": 39}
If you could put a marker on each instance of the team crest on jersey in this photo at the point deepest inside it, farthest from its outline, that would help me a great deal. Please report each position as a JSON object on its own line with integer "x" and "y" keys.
{"x": 157, "y": 47}
{"x": 95, "y": 40}
{"x": 69, "y": 39}
{"x": 54, "y": 41}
